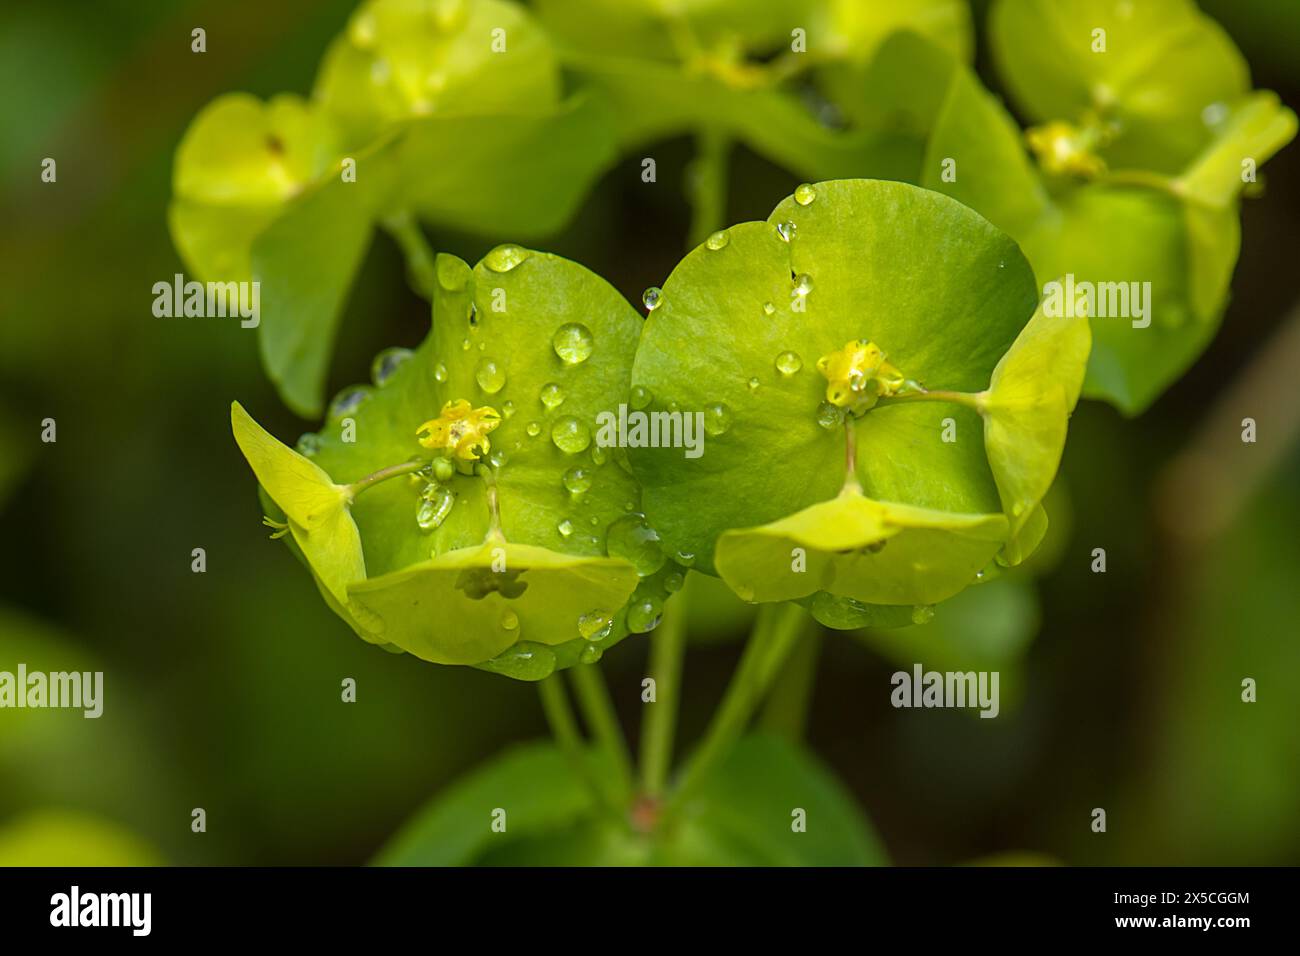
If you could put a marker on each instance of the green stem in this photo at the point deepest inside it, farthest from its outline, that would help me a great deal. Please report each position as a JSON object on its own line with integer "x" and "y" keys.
{"x": 974, "y": 400}
{"x": 667, "y": 648}
{"x": 383, "y": 474}
{"x": 786, "y": 710}
{"x": 706, "y": 184}
{"x": 564, "y": 728}
{"x": 420, "y": 268}
{"x": 777, "y": 629}
{"x": 1148, "y": 180}
{"x": 602, "y": 722}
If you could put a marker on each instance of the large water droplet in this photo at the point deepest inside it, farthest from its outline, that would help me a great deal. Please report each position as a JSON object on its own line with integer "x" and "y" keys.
{"x": 577, "y": 480}
{"x": 309, "y": 444}
{"x": 768, "y": 308}
{"x": 632, "y": 539}
{"x": 572, "y": 343}
{"x": 641, "y": 396}
{"x": 788, "y": 363}
{"x": 717, "y": 418}
{"x": 440, "y": 373}
{"x": 644, "y": 615}
{"x": 673, "y": 582}
{"x": 651, "y": 298}
{"x": 598, "y": 455}
{"x": 804, "y": 194}
{"x": 510, "y": 621}
{"x": 591, "y": 653}
{"x": 526, "y": 661}
{"x": 490, "y": 375}
{"x": 552, "y": 395}
{"x": 387, "y": 362}
{"x": 786, "y": 230}
{"x": 565, "y": 527}
{"x": 595, "y": 625}
{"x": 435, "y": 504}
{"x": 717, "y": 240}
{"x": 829, "y": 416}
{"x": 506, "y": 257}
{"x": 534, "y": 429}
{"x": 570, "y": 435}
{"x": 803, "y": 284}
{"x": 347, "y": 401}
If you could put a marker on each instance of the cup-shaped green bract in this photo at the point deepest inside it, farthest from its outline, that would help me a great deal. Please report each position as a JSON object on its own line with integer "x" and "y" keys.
{"x": 1135, "y": 79}
{"x": 767, "y": 309}
{"x": 510, "y": 537}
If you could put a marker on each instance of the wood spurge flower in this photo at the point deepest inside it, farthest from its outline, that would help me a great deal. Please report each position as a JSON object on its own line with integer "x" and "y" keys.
{"x": 461, "y": 430}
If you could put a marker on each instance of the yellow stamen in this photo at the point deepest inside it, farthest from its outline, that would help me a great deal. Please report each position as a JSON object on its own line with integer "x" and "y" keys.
{"x": 460, "y": 429}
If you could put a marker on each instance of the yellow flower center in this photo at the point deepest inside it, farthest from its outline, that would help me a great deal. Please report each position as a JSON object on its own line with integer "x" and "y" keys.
{"x": 1063, "y": 149}
{"x": 858, "y": 375}
{"x": 460, "y": 429}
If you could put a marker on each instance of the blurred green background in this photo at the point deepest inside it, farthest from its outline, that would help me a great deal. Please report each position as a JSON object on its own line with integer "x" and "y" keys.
{"x": 1120, "y": 690}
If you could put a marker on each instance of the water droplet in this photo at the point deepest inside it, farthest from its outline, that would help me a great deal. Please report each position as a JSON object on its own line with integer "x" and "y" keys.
{"x": 717, "y": 240}
{"x": 803, "y": 284}
{"x": 786, "y": 230}
{"x": 497, "y": 459}
{"x": 565, "y": 528}
{"x": 387, "y": 362}
{"x": 472, "y": 317}
{"x": 768, "y": 308}
{"x": 347, "y": 401}
{"x": 572, "y": 343}
{"x": 804, "y": 194}
{"x": 508, "y": 410}
{"x": 380, "y": 72}
{"x": 577, "y": 480}
{"x": 922, "y": 614}
{"x": 641, "y": 396}
{"x": 598, "y": 455}
{"x": 510, "y": 621}
{"x": 526, "y": 661}
{"x": 435, "y": 504}
{"x": 552, "y": 395}
{"x": 644, "y": 615}
{"x": 440, "y": 373}
{"x": 308, "y": 444}
{"x": 464, "y": 344}
{"x": 595, "y": 625}
{"x": 753, "y": 384}
{"x": 788, "y": 363}
{"x": 673, "y": 582}
{"x": 534, "y": 429}
{"x": 591, "y": 653}
{"x": 490, "y": 376}
{"x": 453, "y": 275}
{"x": 829, "y": 416}
{"x": 505, "y": 257}
{"x": 717, "y": 418}
{"x": 633, "y": 540}
{"x": 651, "y": 297}
{"x": 1214, "y": 114}
{"x": 443, "y": 469}
{"x": 686, "y": 558}
{"x": 570, "y": 435}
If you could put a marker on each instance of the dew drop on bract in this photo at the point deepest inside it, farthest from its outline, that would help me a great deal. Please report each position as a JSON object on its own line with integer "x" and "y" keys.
{"x": 308, "y": 444}
{"x": 510, "y": 621}
{"x": 803, "y": 284}
{"x": 528, "y": 661}
{"x": 598, "y": 455}
{"x": 686, "y": 558}
{"x": 641, "y": 396}
{"x": 651, "y": 297}
{"x": 506, "y": 257}
{"x": 717, "y": 418}
{"x": 829, "y": 416}
{"x": 387, "y": 362}
{"x": 577, "y": 480}
{"x": 570, "y": 435}
{"x": 565, "y": 527}
{"x": 786, "y": 230}
{"x": 591, "y": 653}
{"x": 644, "y": 615}
{"x": 347, "y": 401}
{"x": 717, "y": 240}
{"x": 572, "y": 343}
{"x": 534, "y": 429}
{"x": 632, "y": 539}
{"x": 497, "y": 459}
{"x": 788, "y": 363}
{"x": 673, "y": 582}
{"x": 440, "y": 373}
{"x": 453, "y": 275}
{"x": 551, "y": 395}
{"x": 753, "y": 384}
{"x": 595, "y": 625}
{"x": 435, "y": 504}
{"x": 922, "y": 614}
{"x": 804, "y": 194}
{"x": 491, "y": 377}
{"x": 508, "y": 410}
{"x": 768, "y": 308}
